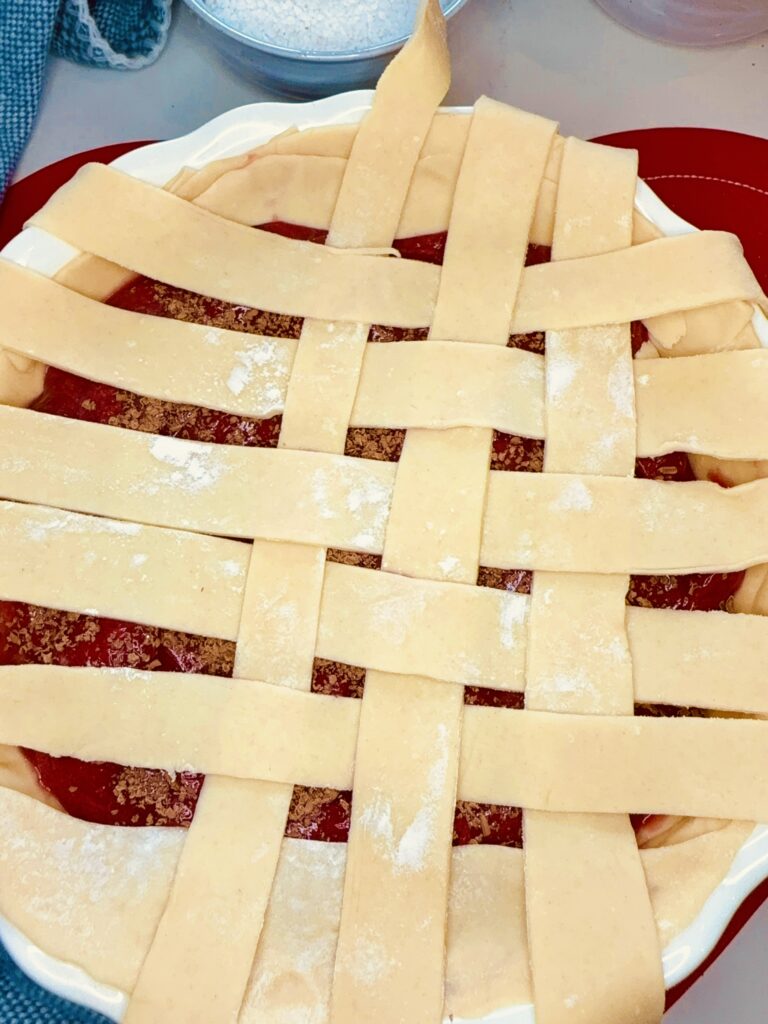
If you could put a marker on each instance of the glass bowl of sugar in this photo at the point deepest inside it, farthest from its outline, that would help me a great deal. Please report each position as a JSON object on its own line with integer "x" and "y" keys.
{"x": 310, "y": 48}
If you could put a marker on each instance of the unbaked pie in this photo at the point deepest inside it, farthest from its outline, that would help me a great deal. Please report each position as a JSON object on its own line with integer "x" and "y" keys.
{"x": 271, "y": 515}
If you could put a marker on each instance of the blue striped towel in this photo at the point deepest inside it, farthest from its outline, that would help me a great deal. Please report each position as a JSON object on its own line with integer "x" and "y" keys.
{"x": 102, "y": 33}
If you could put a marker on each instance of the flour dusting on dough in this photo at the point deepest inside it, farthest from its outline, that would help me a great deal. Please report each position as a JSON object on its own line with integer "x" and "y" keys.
{"x": 393, "y": 616}
{"x": 574, "y": 497}
{"x": 448, "y": 565}
{"x": 621, "y": 389}
{"x": 231, "y": 567}
{"x": 563, "y": 684}
{"x": 512, "y": 615}
{"x": 408, "y": 852}
{"x": 42, "y": 523}
{"x": 198, "y": 466}
{"x": 271, "y": 362}
{"x": 560, "y": 375}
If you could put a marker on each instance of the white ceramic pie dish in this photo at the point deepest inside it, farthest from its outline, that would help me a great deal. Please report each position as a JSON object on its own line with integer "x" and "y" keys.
{"x": 230, "y": 134}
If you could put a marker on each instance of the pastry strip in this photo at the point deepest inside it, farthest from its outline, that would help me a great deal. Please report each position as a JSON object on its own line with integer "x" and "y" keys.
{"x": 152, "y": 232}
{"x": 193, "y": 249}
{"x": 208, "y": 724}
{"x": 244, "y": 374}
{"x": 398, "y": 854}
{"x": 443, "y": 384}
{"x": 536, "y": 759}
{"x": 578, "y": 523}
{"x": 209, "y": 942}
{"x": 557, "y": 762}
{"x": 326, "y": 373}
{"x": 168, "y": 578}
{"x": 679, "y": 657}
{"x": 561, "y": 520}
{"x": 592, "y": 937}
{"x": 405, "y": 773}
{"x": 710, "y": 404}
{"x": 308, "y": 497}
{"x": 688, "y": 659}
{"x": 278, "y": 626}
{"x": 301, "y": 188}
{"x": 447, "y": 631}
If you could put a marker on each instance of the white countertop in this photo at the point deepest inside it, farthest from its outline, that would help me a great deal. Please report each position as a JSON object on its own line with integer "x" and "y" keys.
{"x": 561, "y": 58}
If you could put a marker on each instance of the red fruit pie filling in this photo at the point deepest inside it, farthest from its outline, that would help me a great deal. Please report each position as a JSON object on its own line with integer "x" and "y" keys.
{"x": 113, "y": 794}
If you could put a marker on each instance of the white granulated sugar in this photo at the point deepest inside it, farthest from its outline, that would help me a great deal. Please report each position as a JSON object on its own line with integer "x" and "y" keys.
{"x": 230, "y": 567}
{"x": 621, "y": 389}
{"x": 574, "y": 497}
{"x": 320, "y": 26}
{"x": 139, "y": 559}
{"x": 570, "y": 1002}
{"x": 197, "y": 465}
{"x": 643, "y": 380}
{"x": 212, "y": 337}
{"x": 512, "y": 615}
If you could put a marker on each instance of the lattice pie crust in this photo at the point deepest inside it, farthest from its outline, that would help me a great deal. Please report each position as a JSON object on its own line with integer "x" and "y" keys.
{"x": 231, "y": 542}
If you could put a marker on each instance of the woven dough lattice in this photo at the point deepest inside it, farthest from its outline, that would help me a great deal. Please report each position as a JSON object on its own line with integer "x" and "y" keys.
{"x": 231, "y": 542}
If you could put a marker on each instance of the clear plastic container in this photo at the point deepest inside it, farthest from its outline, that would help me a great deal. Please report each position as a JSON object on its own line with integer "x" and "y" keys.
{"x": 691, "y": 22}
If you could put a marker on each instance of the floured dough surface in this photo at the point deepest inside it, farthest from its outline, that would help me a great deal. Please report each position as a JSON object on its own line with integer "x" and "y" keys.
{"x": 70, "y": 881}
